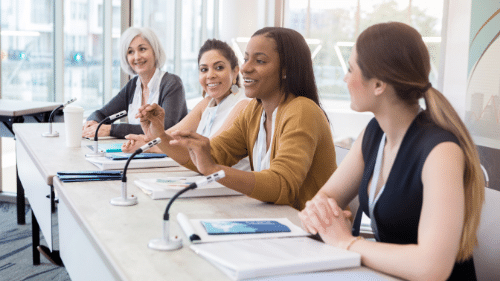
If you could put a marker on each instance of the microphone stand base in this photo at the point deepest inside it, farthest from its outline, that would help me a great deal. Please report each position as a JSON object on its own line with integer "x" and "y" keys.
{"x": 50, "y": 135}
{"x": 160, "y": 244}
{"x": 120, "y": 201}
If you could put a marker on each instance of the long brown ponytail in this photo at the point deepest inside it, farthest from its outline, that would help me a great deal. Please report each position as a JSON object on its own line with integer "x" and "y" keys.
{"x": 443, "y": 114}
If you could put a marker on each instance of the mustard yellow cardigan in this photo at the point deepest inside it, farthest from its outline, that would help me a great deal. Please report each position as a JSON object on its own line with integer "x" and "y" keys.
{"x": 302, "y": 151}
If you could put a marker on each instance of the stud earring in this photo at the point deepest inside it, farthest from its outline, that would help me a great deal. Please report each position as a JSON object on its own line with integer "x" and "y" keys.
{"x": 235, "y": 89}
{"x": 284, "y": 76}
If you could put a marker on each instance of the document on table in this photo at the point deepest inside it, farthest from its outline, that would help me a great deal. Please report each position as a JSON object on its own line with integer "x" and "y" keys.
{"x": 276, "y": 256}
{"x": 104, "y": 163}
{"x": 196, "y": 232}
{"x": 167, "y": 187}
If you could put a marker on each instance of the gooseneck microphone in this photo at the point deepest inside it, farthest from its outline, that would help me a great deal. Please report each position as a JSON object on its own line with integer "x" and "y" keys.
{"x": 167, "y": 243}
{"x": 124, "y": 200}
{"x": 111, "y": 119}
{"x": 51, "y": 119}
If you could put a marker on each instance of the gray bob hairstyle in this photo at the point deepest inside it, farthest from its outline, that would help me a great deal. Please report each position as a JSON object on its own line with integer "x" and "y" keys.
{"x": 148, "y": 35}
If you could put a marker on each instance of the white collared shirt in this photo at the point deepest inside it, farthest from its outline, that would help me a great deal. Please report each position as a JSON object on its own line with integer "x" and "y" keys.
{"x": 261, "y": 157}
{"x": 154, "y": 95}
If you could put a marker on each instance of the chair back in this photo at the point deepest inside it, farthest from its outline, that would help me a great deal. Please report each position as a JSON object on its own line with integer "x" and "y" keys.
{"x": 487, "y": 252}
{"x": 340, "y": 154}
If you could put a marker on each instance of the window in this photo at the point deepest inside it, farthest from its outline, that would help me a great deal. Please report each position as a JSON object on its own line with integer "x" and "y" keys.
{"x": 332, "y": 27}
{"x": 27, "y": 55}
{"x": 83, "y": 53}
{"x": 42, "y": 11}
{"x": 196, "y": 24}
{"x": 27, "y": 65}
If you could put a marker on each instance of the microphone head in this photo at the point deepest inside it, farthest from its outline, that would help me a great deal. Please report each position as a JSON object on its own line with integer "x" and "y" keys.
{"x": 149, "y": 145}
{"x": 68, "y": 102}
{"x": 118, "y": 115}
{"x": 209, "y": 179}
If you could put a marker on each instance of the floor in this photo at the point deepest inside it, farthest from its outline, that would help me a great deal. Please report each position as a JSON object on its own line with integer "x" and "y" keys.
{"x": 16, "y": 261}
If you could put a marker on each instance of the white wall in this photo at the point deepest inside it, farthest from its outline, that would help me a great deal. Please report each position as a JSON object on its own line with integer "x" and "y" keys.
{"x": 457, "y": 54}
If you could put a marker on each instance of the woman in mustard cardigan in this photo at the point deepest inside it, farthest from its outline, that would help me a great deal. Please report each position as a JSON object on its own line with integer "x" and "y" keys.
{"x": 283, "y": 130}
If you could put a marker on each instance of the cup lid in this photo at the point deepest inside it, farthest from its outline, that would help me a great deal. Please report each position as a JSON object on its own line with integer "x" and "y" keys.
{"x": 73, "y": 108}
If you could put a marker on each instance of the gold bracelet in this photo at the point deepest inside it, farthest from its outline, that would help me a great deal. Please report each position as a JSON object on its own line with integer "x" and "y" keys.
{"x": 352, "y": 241}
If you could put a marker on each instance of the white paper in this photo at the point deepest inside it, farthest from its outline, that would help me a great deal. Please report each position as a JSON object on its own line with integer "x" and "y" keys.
{"x": 158, "y": 188}
{"x": 105, "y": 163}
{"x": 267, "y": 257}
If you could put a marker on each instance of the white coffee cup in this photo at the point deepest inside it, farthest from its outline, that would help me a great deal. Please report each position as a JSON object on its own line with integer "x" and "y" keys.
{"x": 73, "y": 123}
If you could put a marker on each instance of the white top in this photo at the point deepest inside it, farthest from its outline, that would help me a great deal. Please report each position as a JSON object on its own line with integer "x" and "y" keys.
{"x": 214, "y": 116}
{"x": 154, "y": 95}
{"x": 261, "y": 157}
{"x": 372, "y": 199}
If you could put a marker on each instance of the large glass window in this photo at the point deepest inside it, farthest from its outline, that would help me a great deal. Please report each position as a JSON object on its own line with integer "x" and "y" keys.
{"x": 27, "y": 66}
{"x": 83, "y": 52}
{"x": 27, "y": 55}
{"x": 331, "y": 28}
{"x": 195, "y": 25}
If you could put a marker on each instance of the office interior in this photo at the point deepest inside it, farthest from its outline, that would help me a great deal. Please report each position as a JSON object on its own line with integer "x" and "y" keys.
{"x": 55, "y": 50}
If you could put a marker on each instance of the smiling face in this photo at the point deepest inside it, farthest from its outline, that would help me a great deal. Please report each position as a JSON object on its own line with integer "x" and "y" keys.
{"x": 261, "y": 69}
{"x": 359, "y": 88}
{"x": 216, "y": 75}
{"x": 140, "y": 57}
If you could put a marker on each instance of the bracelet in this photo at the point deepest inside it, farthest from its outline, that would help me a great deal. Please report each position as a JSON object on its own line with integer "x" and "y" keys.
{"x": 352, "y": 241}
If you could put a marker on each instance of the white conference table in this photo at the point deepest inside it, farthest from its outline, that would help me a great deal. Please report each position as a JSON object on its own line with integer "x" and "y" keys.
{"x": 99, "y": 241}
{"x": 15, "y": 111}
{"x": 38, "y": 161}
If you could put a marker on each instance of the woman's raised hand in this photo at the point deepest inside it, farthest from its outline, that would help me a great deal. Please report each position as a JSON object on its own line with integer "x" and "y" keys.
{"x": 133, "y": 143}
{"x": 199, "y": 150}
{"x": 152, "y": 118}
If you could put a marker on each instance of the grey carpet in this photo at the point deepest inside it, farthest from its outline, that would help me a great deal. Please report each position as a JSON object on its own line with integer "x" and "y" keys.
{"x": 16, "y": 260}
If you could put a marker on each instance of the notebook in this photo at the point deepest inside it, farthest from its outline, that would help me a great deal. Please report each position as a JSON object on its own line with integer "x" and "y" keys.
{"x": 269, "y": 257}
{"x": 80, "y": 178}
{"x": 243, "y": 227}
{"x": 197, "y": 233}
{"x": 105, "y": 163}
{"x": 126, "y": 156}
{"x": 162, "y": 188}
{"x": 107, "y": 147}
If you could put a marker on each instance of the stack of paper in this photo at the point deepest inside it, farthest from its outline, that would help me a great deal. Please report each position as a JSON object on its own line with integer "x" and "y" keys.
{"x": 268, "y": 257}
{"x": 105, "y": 163}
{"x": 167, "y": 187}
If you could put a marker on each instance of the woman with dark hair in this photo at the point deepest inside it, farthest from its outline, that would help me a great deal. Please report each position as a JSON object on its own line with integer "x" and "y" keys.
{"x": 218, "y": 76}
{"x": 283, "y": 130}
{"x": 417, "y": 172}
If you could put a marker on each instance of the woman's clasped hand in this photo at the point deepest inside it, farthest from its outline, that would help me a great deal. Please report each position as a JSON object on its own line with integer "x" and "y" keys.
{"x": 323, "y": 216}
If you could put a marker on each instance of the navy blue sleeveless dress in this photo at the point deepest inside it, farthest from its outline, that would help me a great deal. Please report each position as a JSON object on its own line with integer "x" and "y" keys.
{"x": 397, "y": 212}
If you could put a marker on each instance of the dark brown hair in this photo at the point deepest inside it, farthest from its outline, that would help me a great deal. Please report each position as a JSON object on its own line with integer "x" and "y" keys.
{"x": 396, "y": 54}
{"x": 225, "y": 50}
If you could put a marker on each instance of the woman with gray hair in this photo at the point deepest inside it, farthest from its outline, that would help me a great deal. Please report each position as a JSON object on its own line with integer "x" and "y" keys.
{"x": 141, "y": 55}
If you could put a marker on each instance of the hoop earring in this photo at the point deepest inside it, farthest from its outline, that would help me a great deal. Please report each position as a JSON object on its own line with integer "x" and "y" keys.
{"x": 235, "y": 89}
